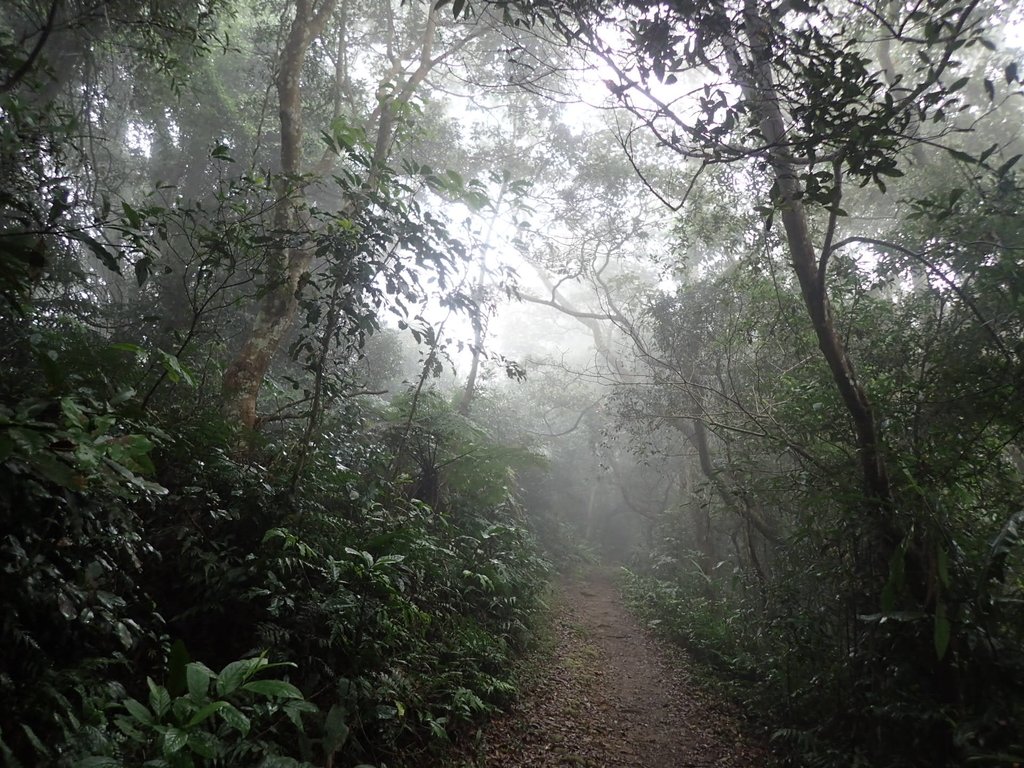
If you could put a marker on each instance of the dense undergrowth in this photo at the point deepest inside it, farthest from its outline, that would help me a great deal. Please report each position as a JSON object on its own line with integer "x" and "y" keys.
{"x": 867, "y": 636}
{"x": 835, "y": 687}
{"x": 170, "y": 598}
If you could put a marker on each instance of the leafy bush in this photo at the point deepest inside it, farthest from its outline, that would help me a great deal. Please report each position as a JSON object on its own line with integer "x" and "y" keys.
{"x": 132, "y": 536}
{"x": 795, "y": 646}
{"x": 203, "y": 718}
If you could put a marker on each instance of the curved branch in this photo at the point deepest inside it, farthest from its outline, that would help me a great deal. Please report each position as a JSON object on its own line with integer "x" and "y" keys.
{"x": 571, "y": 429}
{"x": 932, "y": 269}
{"x": 26, "y": 65}
{"x": 565, "y": 310}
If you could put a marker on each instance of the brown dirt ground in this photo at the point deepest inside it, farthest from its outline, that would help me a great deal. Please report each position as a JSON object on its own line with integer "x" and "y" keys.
{"x": 611, "y": 696}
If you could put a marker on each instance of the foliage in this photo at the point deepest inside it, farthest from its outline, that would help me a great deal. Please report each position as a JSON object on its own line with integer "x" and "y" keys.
{"x": 797, "y": 621}
{"x": 142, "y": 529}
{"x": 826, "y": 416}
{"x": 406, "y": 617}
{"x": 451, "y": 460}
{"x": 208, "y": 722}
{"x": 841, "y": 373}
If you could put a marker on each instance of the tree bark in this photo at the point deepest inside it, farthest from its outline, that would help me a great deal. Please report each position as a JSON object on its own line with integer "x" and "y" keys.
{"x": 469, "y": 391}
{"x": 698, "y": 437}
{"x": 756, "y": 78}
{"x": 244, "y": 376}
{"x": 292, "y": 260}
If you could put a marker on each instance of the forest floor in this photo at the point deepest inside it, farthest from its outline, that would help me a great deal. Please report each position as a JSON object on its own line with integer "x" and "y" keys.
{"x": 606, "y": 694}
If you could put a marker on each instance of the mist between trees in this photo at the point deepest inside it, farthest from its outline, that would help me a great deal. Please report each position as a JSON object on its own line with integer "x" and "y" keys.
{"x": 332, "y": 328}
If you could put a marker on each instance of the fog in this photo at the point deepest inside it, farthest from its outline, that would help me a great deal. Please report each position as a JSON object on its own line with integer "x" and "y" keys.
{"x": 341, "y": 331}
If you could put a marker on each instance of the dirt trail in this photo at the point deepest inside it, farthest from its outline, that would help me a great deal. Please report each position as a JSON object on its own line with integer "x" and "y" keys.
{"x": 610, "y": 696}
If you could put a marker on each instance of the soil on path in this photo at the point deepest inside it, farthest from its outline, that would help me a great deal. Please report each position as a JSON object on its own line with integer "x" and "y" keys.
{"x": 611, "y": 696}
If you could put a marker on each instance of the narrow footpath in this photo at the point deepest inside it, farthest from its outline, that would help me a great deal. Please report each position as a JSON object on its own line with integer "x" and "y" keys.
{"x": 611, "y": 696}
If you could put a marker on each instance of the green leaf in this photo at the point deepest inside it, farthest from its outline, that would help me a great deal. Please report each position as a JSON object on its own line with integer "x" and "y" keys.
{"x": 204, "y": 744}
{"x": 366, "y": 556}
{"x": 963, "y": 157}
{"x": 222, "y": 152}
{"x": 159, "y": 698}
{"x": 142, "y": 270}
{"x": 942, "y": 630}
{"x": 176, "y": 668}
{"x": 34, "y": 740}
{"x": 335, "y": 730}
{"x": 234, "y": 718}
{"x": 174, "y": 740}
{"x": 294, "y": 709}
{"x": 124, "y": 635}
{"x": 959, "y": 84}
{"x": 66, "y": 607}
{"x": 1002, "y": 170}
{"x": 275, "y": 689}
{"x": 138, "y": 710}
{"x": 236, "y": 673}
{"x": 942, "y": 564}
{"x": 133, "y": 217}
{"x": 106, "y": 258}
{"x": 126, "y": 726}
{"x": 203, "y": 713}
{"x": 197, "y": 679}
{"x": 175, "y": 371}
{"x": 73, "y": 413}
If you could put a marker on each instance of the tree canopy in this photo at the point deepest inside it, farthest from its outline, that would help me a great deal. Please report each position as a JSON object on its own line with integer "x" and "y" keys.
{"x": 330, "y": 325}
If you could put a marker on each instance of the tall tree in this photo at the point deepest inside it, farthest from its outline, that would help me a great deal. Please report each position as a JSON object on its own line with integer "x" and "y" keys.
{"x": 412, "y": 51}
{"x": 789, "y": 87}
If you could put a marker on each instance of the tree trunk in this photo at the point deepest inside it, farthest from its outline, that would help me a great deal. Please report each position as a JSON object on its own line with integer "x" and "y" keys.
{"x": 757, "y": 81}
{"x": 478, "y": 317}
{"x": 292, "y": 260}
{"x": 244, "y": 376}
{"x": 469, "y": 391}
{"x": 698, "y": 437}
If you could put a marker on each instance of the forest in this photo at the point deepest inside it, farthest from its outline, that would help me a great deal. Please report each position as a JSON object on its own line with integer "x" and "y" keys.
{"x": 337, "y": 335}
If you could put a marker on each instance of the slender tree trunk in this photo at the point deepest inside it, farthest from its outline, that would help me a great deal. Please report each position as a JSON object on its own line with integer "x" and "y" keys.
{"x": 291, "y": 260}
{"x": 469, "y": 391}
{"x": 294, "y": 257}
{"x": 698, "y": 437}
{"x": 478, "y": 317}
{"x": 757, "y": 80}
